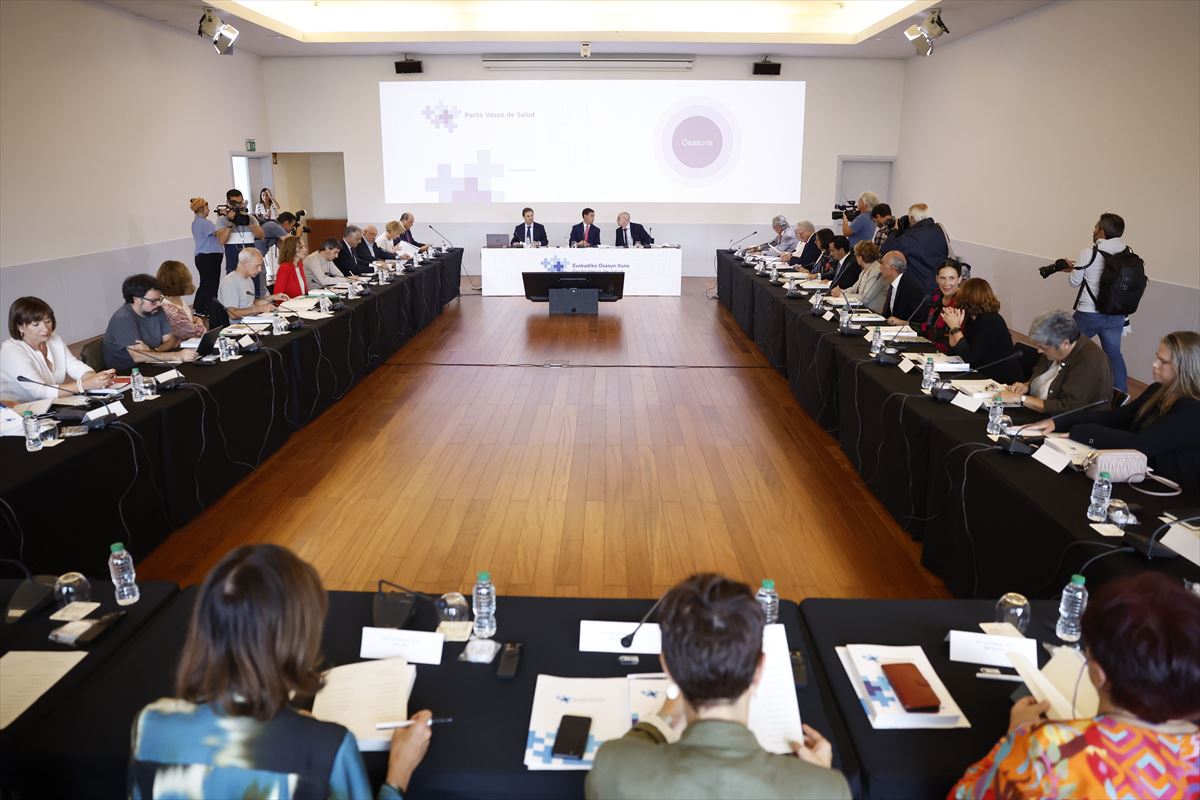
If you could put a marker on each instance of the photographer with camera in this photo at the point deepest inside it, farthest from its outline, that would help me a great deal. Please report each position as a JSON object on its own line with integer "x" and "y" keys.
{"x": 1111, "y": 279}
{"x": 885, "y": 223}
{"x": 857, "y": 224}
{"x": 923, "y": 243}
{"x": 242, "y": 231}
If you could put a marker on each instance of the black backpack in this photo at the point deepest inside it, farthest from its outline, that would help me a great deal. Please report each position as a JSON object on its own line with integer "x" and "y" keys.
{"x": 1122, "y": 283}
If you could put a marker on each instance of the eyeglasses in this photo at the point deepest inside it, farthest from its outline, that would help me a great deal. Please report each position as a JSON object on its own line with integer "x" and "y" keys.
{"x": 154, "y": 301}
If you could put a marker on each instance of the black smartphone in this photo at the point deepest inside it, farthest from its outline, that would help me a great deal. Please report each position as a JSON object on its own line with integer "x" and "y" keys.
{"x": 572, "y": 736}
{"x": 510, "y": 659}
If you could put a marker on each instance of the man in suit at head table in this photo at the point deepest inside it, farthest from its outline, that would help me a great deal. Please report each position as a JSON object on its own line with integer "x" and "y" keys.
{"x": 630, "y": 234}
{"x": 407, "y": 220}
{"x": 698, "y": 745}
{"x": 346, "y": 261}
{"x": 529, "y": 233}
{"x": 906, "y": 299}
{"x": 586, "y": 234}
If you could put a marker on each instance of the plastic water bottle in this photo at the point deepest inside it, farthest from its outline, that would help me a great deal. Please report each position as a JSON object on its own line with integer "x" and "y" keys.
{"x": 324, "y": 305}
{"x": 137, "y": 385}
{"x": 844, "y": 318}
{"x": 774, "y": 273}
{"x": 1070, "y": 610}
{"x": 224, "y": 348}
{"x": 484, "y": 603}
{"x": 33, "y": 432}
{"x": 995, "y": 412}
{"x": 120, "y": 568}
{"x": 1101, "y": 494}
{"x": 928, "y": 374}
{"x": 277, "y": 325}
{"x": 768, "y": 598}
{"x": 877, "y": 341}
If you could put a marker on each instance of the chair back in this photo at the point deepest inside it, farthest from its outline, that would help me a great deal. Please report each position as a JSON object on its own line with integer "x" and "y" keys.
{"x": 1119, "y": 398}
{"x": 93, "y": 354}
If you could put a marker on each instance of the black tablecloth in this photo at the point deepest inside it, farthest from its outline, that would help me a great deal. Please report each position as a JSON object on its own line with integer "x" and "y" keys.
{"x": 72, "y": 500}
{"x": 1022, "y": 519}
{"x": 479, "y": 755}
{"x": 917, "y": 763}
{"x": 32, "y": 632}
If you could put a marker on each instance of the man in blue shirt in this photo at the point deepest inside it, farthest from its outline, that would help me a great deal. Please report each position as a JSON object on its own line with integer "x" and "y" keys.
{"x": 862, "y": 229}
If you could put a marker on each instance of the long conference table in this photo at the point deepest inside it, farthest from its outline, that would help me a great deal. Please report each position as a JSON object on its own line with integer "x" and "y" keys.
{"x": 648, "y": 271}
{"x": 988, "y": 522}
{"x": 173, "y": 456}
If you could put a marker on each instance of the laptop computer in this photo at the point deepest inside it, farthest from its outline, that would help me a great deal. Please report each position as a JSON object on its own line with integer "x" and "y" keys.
{"x": 498, "y": 240}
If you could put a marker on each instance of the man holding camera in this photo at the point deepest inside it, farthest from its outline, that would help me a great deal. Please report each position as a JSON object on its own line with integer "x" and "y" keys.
{"x": 1109, "y": 327}
{"x": 862, "y": 227}
{"x": 244, "y": 230}
{"x": 885, "y": 223}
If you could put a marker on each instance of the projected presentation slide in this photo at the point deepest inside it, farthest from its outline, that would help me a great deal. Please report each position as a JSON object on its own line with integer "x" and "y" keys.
{"x": 651, "y": 141}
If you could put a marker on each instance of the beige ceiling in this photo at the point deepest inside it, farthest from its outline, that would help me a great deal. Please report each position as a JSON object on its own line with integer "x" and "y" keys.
{"x": 837, "y": 28}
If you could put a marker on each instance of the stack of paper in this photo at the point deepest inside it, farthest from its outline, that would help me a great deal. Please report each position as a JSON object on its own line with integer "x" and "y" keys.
{"x": 901, "y": 333}
{"x": 360, "y": 696}
{"x": 1063, "y": 682}
{"x": 1077, "y": 451}
{"x": 866, "y": 318}
{"x": 941, "y": 362}
{"x": 25, "y": 675}
{"x": 864, "y": 666}
{"x": 981, "y": 389}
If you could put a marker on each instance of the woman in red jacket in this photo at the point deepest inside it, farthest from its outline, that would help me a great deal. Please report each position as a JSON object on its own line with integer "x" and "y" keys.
{"x": 289, "y": 279}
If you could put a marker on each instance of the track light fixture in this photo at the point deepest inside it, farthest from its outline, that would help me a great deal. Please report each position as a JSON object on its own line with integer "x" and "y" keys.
{"x": 223, "y": 36}
{"x": 923, "y": 34}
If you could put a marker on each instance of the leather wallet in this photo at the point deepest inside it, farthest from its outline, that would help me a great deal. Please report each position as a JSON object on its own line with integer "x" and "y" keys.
{"x": 912, "y": 690}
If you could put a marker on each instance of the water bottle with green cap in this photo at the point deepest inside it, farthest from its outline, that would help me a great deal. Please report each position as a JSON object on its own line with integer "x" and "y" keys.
{"x": 1070, "y": 610}
{"x": 484, "y": 602}
{"x": 1101, "y": 494}
{"x": 768, "y": 598}
{"x": 124, "y": 578}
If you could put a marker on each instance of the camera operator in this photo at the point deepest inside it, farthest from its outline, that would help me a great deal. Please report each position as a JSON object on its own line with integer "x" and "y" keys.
{"x": 924, "y": 245}
{"x": 243, "y": 230}
{"x": 861, "y": 228}
{"x": 1086, "y": 275}
{"x": 885, "y": 223}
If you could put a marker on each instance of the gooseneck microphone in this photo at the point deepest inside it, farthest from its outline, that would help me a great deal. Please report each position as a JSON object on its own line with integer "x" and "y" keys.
{"x": 627, "y": 641}
{"x": 1012, "y": 443}
{"x": 893, "y": 358}
{"x": 739, "y": 241}
{"x": 85, "y": 393}
{"x": 439, "y": 233}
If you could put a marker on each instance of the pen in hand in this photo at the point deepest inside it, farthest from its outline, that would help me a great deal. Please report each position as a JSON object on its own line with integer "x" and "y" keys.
{"x": 408, "y": 723}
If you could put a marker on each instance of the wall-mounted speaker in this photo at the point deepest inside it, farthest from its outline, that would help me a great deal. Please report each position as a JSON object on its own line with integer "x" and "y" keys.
{"x": 408, "y": 67}
{"x": 767, "y": 68}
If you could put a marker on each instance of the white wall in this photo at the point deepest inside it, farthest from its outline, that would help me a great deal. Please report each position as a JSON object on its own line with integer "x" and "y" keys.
{"x": 328, "y": 185}
{"x": 831, "y": 129}
{"x": 110, "y": 124}
{"x": 293, "y": 181}
{"x": 1019, "y": 136}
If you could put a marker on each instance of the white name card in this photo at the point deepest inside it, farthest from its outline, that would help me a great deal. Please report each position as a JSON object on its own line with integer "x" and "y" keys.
{"x": 828, "y": 315}
{"x": 1105, "y": 529}
{"x": 1051, "y": 457}
{"x": 907, "y": 366}
{"x": 967, "y": 402}
{"x": 596, "y": 636}
{"x": 116, "y": 409}
{"x": 416, "y": 647}
{"x": 169, "y": 375}
{"x": 980, "y": 648}
{"x": 246, "y": 341}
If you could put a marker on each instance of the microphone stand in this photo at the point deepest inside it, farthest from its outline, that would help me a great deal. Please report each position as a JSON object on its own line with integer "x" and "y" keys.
{"x": 439, "y": 233}
{"x": 627, "y": 641}
{"x": 888, "y": 355}
{"x": 739, "y": 241}
{"x": 1012, "y": 444}
{"x": 76, "y": 415}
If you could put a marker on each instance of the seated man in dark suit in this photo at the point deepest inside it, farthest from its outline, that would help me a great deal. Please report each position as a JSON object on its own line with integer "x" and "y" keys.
{"x": 906, "y": 299}
{"x": 712, "y": 633}
{"x": 529, "y": 233}
{"x": 843, "y": 269}
{"x": 408, "y": 220}
{"x": 346, "y": 260}
{"x": 366, "y": 252}
{"x": 630, "y": 234}
{"x": 586, "y": 234}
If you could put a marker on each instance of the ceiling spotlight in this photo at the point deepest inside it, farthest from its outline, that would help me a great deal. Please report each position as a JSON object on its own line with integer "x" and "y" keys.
{"x": 223, "y": 36}
{"x": 923, "y": 34}
{"x": 585, "y": 49}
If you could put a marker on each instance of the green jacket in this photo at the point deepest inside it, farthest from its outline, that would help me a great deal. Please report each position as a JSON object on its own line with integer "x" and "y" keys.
{"x": 712, "y": 759}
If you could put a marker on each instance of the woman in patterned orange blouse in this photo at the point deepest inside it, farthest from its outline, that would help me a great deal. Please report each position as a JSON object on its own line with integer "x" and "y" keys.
{"x": 1142, "y": 637}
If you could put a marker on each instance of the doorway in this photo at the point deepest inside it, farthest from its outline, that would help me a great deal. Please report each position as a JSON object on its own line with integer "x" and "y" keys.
{"x": 858, "y": 174}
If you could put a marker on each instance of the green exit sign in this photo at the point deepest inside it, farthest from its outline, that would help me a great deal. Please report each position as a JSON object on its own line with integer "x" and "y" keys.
{"x": 251, "y": 146}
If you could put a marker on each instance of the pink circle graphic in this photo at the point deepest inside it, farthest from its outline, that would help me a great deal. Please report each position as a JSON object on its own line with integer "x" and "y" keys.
{"x": 697, "y": 142}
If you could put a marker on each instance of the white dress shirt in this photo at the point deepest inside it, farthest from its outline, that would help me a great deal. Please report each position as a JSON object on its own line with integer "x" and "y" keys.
{"x": 382, "y": 242}
{"x": 18, "y": 358}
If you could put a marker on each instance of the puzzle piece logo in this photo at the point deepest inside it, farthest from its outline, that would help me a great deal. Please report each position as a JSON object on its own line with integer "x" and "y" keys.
{"x": 477, "y": 184}
{"x": 442, "y": 117}
{"x": 539, "y": 746}
{"x": 555, "y": 264}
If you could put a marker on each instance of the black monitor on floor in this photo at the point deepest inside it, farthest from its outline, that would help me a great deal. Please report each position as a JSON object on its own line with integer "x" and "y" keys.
{"x": 610, "y": 285}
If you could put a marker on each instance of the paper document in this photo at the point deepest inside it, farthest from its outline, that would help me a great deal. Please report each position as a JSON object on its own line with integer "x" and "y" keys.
{"x": 190, "y": 344}
{"x": 941, "y": 361}
{"x": 980, "y": 648}
{"x": 1077, "y": 451}
{"x": 983, "y": 389}
{"x": 1184, "y": 541}
{"x": 603, "y": 700}
{"x": 26, "y": 675}
{"x": 901, "y": 333}
{"x": 866, "y": 319}
{"x": 362, "y": 695}
{"x": 419, "y": 647}
{"x": 1063, "y": 682}
{"x": 774, "y": 709}
{"x": 597, "y": 636}
{"x": 258, "y": 319}
{"x": 864, "y": 667}
{"x": 299, "y": 303}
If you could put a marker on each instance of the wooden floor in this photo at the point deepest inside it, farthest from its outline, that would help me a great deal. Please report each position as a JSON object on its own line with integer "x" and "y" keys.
{"x": 661, "y": 444}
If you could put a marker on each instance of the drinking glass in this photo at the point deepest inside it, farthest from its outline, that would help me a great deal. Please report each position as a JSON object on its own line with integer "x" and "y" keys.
{"x": 1014, "y": 608}
{"x": 1120, "y": 515}
{"x": 70, "y": 588}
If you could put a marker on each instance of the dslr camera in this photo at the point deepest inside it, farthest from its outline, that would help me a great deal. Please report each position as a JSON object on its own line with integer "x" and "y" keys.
{"x": 300, "y": 226}
{"x": 240, "y": 217}
{"x": 848, "y": 209}
{"x": 1060, "y": 265}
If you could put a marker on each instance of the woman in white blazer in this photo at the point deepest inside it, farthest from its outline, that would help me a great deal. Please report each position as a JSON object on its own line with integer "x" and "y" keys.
{"x": 36, "y": 352}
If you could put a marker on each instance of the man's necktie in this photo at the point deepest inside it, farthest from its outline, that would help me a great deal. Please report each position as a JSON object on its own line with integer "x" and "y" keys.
{"x": 887, "y": 304}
